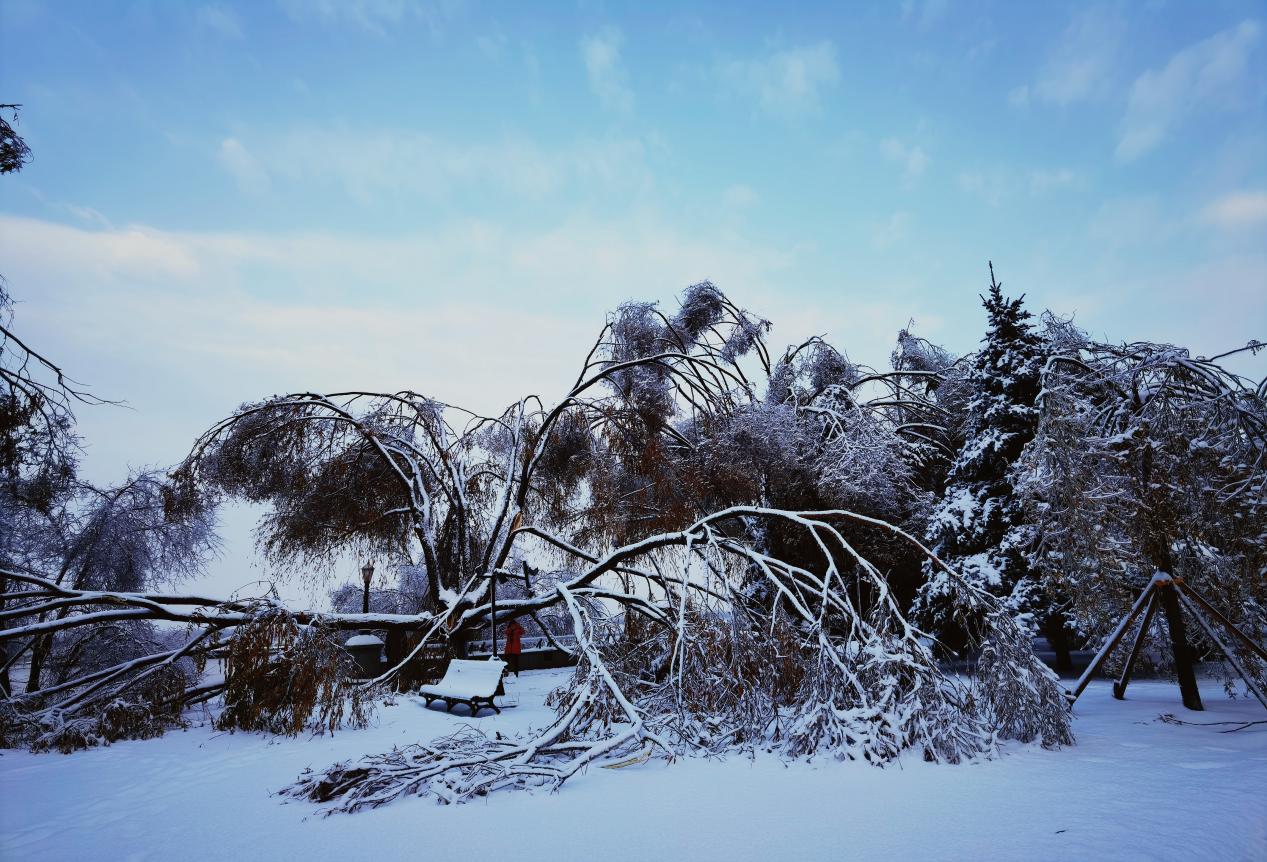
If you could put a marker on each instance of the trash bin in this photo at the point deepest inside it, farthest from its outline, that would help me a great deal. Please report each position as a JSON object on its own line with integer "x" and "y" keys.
{"x": 367, "y": 651}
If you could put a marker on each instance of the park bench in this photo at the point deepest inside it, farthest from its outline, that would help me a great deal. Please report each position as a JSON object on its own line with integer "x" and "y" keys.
{"x": 474, "y": 683}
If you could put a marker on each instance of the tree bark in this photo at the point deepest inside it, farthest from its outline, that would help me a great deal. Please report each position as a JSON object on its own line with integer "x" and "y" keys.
{"x": 39, "y": 651}
{"x": 1161, "y": 523}
{"x": 1059, "y": 640}
{"x": 1179, "y": 645}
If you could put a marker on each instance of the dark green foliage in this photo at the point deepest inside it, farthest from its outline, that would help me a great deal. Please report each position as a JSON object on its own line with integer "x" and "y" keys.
{"x": 979, "y": 526}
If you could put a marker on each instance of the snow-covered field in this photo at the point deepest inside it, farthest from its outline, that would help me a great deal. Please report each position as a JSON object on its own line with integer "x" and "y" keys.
{"x": 1133, "y": 788}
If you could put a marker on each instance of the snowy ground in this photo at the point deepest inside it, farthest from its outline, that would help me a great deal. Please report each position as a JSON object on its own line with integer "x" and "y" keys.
{"x": 1133, "y": 788}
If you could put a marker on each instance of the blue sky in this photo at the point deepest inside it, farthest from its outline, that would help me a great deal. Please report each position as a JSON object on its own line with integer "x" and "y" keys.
{"x": 229, "y": 200}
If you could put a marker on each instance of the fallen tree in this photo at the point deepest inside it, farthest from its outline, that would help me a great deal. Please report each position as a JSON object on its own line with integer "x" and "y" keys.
{"x": 727, "y": 527}
{"x": 698, "y": 670}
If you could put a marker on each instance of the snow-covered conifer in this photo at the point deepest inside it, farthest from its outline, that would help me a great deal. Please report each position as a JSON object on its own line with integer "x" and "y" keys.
{"x": 978, "y": 526}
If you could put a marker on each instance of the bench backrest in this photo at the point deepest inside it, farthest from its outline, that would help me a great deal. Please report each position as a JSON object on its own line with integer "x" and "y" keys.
{"x": 473, "y": 677}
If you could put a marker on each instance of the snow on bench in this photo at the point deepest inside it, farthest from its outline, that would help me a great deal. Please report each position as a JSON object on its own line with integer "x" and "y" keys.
{"x": 474, "y": 683}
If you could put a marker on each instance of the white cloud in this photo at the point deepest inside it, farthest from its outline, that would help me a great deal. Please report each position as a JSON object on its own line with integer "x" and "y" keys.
{"x": 492, "y": 47}
{"x": 1041, "y": 181}
{"x": 1081, "y": 63}
{"x": 1130, "y": 221}
{"x": 220, "y": 19}
{"x": 997, "y": 185}
{"x": 993, "y": 186}
{"x": 910, "y": 157}
{"x": 895, "y": 229}
{"x": 1211, "y": 74}
{"x": 789, "y": 81}
{"x": 372, "y": 16}
{"x": 462, "y": 311}
{"x": 88, "y": 215}
{"x": 1236, "y": 211}
{"x": 606, "y": 73}
{"x": 923, "y": 15}
{"x": 245, "y": 168}
{"x": 740, "y": 196}
{"x": 371, "y": 165}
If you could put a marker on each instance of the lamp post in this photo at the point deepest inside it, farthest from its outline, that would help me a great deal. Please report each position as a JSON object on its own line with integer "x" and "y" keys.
{"x": 364, "y": 647}
{"x": 367, "y": 575}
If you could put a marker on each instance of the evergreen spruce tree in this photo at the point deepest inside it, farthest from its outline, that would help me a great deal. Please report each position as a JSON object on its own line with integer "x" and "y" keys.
{"x": 978, "y": 527}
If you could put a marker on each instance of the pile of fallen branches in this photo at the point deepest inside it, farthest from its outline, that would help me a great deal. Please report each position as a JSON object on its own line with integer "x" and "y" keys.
{"x": 284, "y": 671}
{"x": 831, "y": 668}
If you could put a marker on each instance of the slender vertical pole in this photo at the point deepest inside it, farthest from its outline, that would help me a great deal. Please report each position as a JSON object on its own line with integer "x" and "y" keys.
{"x": 1119, "y": 687}
{"x": 1188, "y": 690}
{"x": 492, "y": 617}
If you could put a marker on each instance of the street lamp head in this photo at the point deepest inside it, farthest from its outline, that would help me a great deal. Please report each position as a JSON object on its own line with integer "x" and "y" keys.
{"x": 367, "y": 574}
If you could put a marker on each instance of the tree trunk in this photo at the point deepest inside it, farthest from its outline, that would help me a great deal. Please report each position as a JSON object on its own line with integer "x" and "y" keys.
{"x": 1054, "y": 630}
{"x": 38, "y": 653}
{"x": 1179, "y": 645}
{"x": 5, "y": 688}
{"x": 1161, "y": 525}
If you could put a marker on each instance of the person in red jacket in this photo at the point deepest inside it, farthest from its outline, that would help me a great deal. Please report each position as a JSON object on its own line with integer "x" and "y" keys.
{"x": 514, "y": 646}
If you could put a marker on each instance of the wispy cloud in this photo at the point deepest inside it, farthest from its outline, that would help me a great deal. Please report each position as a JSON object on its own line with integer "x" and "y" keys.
{"x": 371, "y": 16}
{"x": 1131, "y": 221}
{"x": 492, "y": 46}
{"x": 88, "y": 215}
{"x": 992, "y": 186}
{"x": 1041, "y": 181}
{"x": 998, "y": 185}
{"x": 607, "y": 77}
{"x": 245, "y": 169}
{"x": 1211, "y": 74}
{"x": 910, "y": 157}
{"x": 1082, "y": 61}
{"x": 923, "y": 15}
{"x": 740, "y": 196}
{"x": 377, "y": 164}
{"x": 1237, "y": 211}
{"x": 788, "y": 81}
{"x": 421, "y": 299}
{"x": 892, "y": 231}
{"x": 220, "y": 19}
